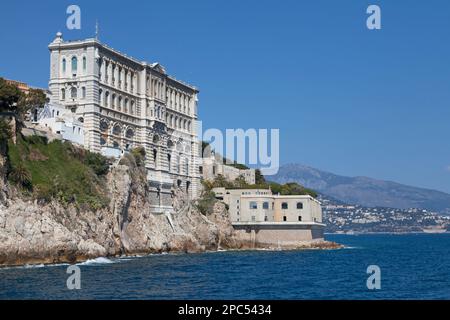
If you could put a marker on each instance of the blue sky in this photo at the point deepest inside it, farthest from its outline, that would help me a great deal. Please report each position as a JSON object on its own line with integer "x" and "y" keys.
{"x": 346, "y": 99}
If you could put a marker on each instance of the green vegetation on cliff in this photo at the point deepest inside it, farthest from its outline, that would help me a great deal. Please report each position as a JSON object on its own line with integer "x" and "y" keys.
{"x": 58, "y": 170}
{"x": 290, "y": 188}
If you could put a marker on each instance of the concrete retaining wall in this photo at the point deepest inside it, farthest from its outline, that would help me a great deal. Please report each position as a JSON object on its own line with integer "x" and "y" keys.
{"x": 280, "y": 234}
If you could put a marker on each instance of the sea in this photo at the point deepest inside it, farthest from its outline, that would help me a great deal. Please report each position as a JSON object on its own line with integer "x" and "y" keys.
{"x": 375, "y": 266}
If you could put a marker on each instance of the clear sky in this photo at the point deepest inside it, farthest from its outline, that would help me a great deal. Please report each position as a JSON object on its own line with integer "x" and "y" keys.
{"x": 346, "y": 99}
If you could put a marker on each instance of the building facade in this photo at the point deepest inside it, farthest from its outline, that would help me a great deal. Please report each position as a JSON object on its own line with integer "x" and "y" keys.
{"x": 213, "y": 165}
{"x": 270, "y": 219}
{"x": 124, "y": 103}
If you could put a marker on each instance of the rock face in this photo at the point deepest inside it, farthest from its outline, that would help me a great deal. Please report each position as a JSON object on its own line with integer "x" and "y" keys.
{"x": 32, "y": 233}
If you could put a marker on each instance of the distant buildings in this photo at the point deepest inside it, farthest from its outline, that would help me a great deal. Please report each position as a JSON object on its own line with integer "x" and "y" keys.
{"x": 213, "y": 166}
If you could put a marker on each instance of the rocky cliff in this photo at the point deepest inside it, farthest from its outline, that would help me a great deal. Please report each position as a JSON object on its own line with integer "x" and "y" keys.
{"x": 33, "y": 232}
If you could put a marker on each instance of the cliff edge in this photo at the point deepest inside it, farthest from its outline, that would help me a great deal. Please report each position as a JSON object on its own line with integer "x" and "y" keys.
{"x": 35, "y": 232}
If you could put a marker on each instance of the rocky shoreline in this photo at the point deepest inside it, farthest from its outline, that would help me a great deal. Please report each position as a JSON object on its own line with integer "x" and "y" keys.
{"x": 51, "y": 233}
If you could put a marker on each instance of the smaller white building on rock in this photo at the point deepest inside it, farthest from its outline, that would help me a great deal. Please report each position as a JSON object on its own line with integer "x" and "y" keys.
{"x": 59, "y": 120}
{"x": 272, "y": 219}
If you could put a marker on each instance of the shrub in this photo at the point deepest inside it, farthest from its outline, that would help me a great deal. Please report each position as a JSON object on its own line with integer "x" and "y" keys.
{"x": 34, "y": 139}
{"x": 97, "y": 162}
{"x": 139, "y": 155}
{"x": 206, "y": 203}
{"x": 5, "y": 131}
{"x": 291, "y": 188}
{"x": 21, "y": 176}
{"x": 59, "y": 171}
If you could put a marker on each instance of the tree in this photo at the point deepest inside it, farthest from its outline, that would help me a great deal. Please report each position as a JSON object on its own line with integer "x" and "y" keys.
{"x": 15, "y": 101}
{"x": 259, "y": 178}
{"x": 10, "y": 96}
{"x": 240, "y": 182}
{"x": 35, "y": 99}
{"x": 291, "y": 188}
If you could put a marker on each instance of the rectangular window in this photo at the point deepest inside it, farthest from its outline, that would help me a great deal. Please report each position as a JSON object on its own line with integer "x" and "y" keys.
{"x": 265, "y": 205}
{"x": 284, "y": 218}
{"x": 253, "y": 205}
{"x": 299, "y": 218}
{"x": 284, "y": 206}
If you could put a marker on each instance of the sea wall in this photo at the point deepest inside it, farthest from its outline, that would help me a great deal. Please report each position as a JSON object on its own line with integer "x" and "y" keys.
{"x": 285, "y": 236}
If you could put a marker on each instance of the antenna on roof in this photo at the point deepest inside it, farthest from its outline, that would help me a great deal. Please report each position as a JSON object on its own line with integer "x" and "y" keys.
{"x": 96, "y": 30}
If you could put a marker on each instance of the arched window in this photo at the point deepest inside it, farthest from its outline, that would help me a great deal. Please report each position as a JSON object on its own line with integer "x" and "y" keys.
{"x": 129, "y": 134}
{"x": 64, "y": 65}
{"x": 106, "y": 98}
{"x": 184, "y": 124}
{"x": 189, "y": 126}
{"x": 113, "y": 101}
{"x": 132, "y": 107}
{"x": 125, "y": 109}
{"x": 83, "y": 92}
{"x": 120, "y": 103}
{"x": 299, "y": 205}
{"x": 186, "y": 167}
{"x": 74, "y": 64}
{"x": 103, "y": 126}
{"x": 116, "y": 130}
{"x": 73, "y": 93}
{"x": 84, "y": 63}
{"x": 100, "y": 95}
{"x": 63, "y": 94}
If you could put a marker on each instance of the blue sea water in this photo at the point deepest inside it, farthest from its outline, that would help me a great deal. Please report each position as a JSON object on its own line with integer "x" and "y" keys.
{"x": 414, "y": 266}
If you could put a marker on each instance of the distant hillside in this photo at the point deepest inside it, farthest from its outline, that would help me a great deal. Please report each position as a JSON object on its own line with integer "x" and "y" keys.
{"x": 364, "y": 191}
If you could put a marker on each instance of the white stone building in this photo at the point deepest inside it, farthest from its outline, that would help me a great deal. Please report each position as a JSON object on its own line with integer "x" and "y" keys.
{"x": 122, "y": 103}
{"x": 272, "y": 218}
{"x": 213, "y": 165}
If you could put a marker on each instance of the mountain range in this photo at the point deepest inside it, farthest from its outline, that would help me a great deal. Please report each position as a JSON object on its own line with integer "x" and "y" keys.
{"x": 364, "y": 191}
